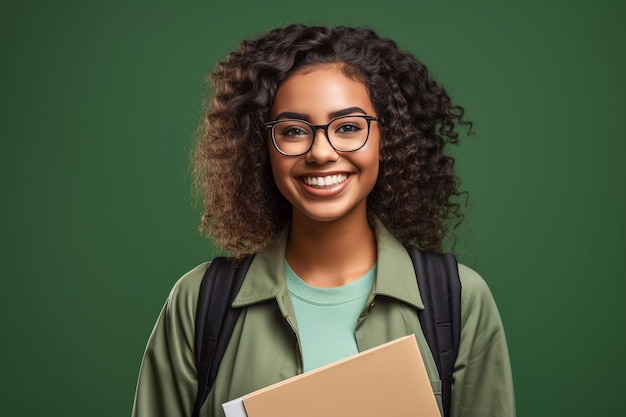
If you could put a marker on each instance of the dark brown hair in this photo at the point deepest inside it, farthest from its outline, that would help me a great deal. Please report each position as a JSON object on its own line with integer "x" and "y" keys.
{"x": 414, "y": 196}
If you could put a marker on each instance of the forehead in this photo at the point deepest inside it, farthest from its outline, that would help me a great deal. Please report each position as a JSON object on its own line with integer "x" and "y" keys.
{"x": 318, "y": 91}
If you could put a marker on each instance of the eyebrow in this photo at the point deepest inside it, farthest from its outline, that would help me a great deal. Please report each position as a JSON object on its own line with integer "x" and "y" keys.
{"x": 332, "y": 115}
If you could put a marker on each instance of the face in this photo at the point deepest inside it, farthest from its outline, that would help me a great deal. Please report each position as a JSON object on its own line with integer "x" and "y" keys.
{"x": 318, "y": 95}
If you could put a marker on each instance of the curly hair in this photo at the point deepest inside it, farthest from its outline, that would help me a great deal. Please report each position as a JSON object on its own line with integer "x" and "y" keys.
{"x": 415, "y": 192}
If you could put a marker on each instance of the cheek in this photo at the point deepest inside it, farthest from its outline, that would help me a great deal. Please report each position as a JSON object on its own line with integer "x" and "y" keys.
{"x": 280, "y": 171}
{"x": 372, "y": 161}
{"x": 373, "y": 171}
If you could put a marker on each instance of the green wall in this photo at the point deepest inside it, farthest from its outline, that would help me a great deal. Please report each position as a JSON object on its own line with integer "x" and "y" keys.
{"x": 98, "y": 106}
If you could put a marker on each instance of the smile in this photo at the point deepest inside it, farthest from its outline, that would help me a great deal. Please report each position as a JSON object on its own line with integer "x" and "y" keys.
{"x": 325, "y": 182}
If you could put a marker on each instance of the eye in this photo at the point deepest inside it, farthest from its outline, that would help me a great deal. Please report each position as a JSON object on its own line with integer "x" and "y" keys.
{"x": 348, "y": 128}
{"x": 293, "y": 131}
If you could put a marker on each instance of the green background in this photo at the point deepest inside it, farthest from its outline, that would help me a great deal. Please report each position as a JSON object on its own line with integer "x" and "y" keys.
{"x": 99, "y": 101}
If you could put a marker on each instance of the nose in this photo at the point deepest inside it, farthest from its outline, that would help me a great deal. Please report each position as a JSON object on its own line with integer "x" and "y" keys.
{"x": 321, "y": 150}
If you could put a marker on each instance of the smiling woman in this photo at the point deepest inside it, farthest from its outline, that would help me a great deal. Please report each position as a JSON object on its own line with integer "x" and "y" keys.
{"x": 414, "y": 193}
{"x": 321, "y": 155}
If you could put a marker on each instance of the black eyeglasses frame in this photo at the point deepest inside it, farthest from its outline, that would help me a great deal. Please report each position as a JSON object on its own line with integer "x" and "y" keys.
{"x": 272, "y": 124}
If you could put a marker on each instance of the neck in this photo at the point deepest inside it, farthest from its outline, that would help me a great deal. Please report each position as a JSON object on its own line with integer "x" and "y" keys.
{"x": 333, "y": 253}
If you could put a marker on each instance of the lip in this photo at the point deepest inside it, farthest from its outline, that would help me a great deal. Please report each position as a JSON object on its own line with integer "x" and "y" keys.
{"x": 325, "y": 192}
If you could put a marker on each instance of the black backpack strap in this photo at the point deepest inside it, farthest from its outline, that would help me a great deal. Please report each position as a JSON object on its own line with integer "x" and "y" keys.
{"x": 440, "y": 289}
{"x": 216, "y": 319}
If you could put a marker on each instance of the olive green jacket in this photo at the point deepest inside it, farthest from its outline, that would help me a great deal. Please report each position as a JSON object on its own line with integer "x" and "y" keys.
{"x": 265, "y": 349}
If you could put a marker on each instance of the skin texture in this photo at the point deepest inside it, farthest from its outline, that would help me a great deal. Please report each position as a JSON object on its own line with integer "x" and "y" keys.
{"x": 326, "y": 221}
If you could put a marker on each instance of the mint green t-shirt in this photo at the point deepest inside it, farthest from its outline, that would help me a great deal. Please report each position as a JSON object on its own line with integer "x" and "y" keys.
{"x": 327, "y": 317}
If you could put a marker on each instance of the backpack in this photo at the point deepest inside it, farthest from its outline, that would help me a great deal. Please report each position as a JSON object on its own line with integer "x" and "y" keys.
{"x": 440, "y": 289}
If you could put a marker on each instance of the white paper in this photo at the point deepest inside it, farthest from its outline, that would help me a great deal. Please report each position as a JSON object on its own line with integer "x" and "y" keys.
{"x": 235, "y": 408}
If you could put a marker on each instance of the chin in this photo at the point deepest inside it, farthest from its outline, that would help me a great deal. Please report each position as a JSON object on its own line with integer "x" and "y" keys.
{"x": 331, "y": 214}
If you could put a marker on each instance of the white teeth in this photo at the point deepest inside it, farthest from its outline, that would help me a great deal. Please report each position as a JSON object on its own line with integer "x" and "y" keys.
{"x": 328, "y": 181}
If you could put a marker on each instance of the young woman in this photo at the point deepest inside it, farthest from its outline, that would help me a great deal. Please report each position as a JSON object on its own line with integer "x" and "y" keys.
{"x": 322, "y": 153}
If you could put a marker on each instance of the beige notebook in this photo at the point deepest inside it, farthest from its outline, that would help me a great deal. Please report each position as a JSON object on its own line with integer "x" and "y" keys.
{"x": 388, "y": 380}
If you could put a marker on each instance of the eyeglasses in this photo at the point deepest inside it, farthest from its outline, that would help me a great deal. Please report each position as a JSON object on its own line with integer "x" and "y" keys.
{"x": 294, "y": 137}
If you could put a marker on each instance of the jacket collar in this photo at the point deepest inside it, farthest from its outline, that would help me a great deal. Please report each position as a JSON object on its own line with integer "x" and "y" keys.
{"x": 395, "y": 275}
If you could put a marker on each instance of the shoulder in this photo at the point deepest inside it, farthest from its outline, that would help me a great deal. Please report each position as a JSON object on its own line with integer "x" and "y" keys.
{"x": 476, "y": 297}
{"x": 480, "y": 318}
{"x": 471, "y": 281}
{"x": 184, "y": 294}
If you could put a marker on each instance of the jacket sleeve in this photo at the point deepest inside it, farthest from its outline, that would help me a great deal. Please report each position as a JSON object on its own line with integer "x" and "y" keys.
{"x": 483, "y": 384}
{"x": 167, "y": 381}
